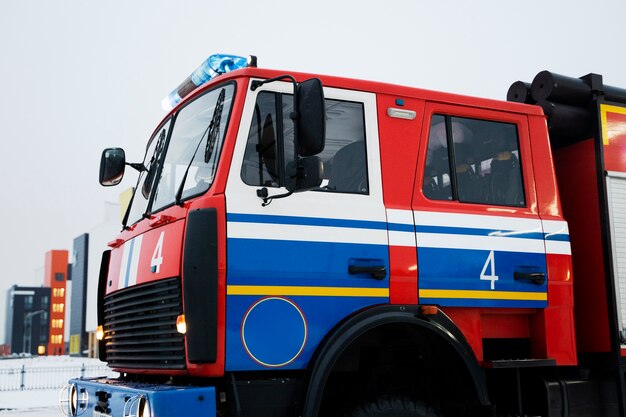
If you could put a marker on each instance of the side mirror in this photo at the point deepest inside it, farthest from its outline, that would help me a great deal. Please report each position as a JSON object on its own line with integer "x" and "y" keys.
{"x": 112, "y": 165}
{"x": 304, "y": 174}
{"x": 311, "y": 123}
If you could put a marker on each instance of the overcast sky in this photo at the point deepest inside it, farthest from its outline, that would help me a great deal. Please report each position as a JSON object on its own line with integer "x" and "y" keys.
{"x": 77, "y": 76}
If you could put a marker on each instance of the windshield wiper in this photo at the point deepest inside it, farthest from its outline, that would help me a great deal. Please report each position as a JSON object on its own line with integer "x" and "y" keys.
{"x": 156, "y": 155}
{"x": 212, "y": 131}
{"x": 214, "y": 127}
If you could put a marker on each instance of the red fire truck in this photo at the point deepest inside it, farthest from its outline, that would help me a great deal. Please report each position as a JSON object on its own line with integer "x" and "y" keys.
{"x": 304, "y": 245}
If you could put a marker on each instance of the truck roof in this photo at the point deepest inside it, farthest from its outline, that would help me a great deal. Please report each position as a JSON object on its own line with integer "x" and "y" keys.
{"x": 371, "y": 86}
{"x": 391, "y": 89}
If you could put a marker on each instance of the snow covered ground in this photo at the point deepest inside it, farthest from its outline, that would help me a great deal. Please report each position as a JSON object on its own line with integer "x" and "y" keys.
{"x": 36, "y": 403}
{"x": 39, "y": 402}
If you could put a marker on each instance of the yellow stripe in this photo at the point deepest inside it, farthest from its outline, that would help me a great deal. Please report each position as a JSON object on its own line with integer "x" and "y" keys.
{"x": 485, "y": 295}
{"x": 604, "y": 108}
{"x": 307, "y": 291}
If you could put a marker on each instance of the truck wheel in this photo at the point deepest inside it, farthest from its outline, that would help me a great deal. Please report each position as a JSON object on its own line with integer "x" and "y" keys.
{"x": 393, "y": 407}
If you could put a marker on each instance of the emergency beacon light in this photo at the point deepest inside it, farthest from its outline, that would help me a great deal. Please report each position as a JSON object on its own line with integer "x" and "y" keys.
{"x": 215, "y": 65}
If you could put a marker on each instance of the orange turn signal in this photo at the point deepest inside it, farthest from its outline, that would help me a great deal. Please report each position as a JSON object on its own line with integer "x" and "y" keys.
{"x": 181, "y": 324}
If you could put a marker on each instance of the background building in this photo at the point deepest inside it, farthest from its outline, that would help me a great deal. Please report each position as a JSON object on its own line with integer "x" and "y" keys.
{"x": 55, "y": 277}
{"x": 78, "y": 335}
{"x": 28, "y": 312}
{"x": 98, "y": 238}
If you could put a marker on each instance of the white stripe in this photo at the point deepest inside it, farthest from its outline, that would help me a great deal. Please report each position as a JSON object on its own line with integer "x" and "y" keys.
{"x": 306, "y": 233}
{"x": 134, "y": 266}
{"x": 121, "y": 280}
{"x": 558, "y": 248}
{"x": 477, "y": 221}
{"x": 400, "y": 216}
{"x": 454, "y": 241}
{"x": 396, "y": 237}
{"x": 402, "y": 239}
{"x": 555, "y": 227}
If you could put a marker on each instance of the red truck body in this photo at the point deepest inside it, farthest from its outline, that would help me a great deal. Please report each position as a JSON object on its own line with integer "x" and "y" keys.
{"x": 422, "y": 283}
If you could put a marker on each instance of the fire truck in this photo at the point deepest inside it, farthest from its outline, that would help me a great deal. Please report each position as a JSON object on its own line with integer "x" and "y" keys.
{"x": 308, "y": 245}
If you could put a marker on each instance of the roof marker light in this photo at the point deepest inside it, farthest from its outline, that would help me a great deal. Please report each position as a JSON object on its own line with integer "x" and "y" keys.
{"x": 215, "y": 65}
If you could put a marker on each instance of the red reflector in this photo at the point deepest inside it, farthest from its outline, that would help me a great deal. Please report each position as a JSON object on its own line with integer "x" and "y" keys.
{"x": 429, "y": 310}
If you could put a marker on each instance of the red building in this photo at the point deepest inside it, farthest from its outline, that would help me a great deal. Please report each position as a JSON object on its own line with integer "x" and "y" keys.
{"x": 55, "y": 277}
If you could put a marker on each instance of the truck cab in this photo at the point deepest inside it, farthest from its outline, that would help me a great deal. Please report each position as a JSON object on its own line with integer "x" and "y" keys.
{"x": 406, "y": 249}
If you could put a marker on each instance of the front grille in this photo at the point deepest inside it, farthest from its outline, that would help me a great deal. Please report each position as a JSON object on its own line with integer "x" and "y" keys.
{"x": 140, "y": 327}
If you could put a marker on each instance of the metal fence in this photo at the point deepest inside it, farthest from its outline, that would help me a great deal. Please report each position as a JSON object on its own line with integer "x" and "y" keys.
{"x": 27, "y": 378}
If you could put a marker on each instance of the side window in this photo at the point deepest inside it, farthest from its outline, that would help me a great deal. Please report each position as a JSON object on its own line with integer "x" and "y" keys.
{"x": 270, "y": 144}
{"x": 344, "y": 156}
{"x": 486, "y": 162}
{"x": 260, "y": 166}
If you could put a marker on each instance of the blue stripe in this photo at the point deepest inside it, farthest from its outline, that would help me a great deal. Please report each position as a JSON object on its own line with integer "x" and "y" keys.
{"x": 305, "y": 221}
{"x": 560, "y": 237}
{"x": 401, "y": 227}
{"x": 396, "y": 227}
{"x": 478, "y": 232}
{"x": 282, "y": 262}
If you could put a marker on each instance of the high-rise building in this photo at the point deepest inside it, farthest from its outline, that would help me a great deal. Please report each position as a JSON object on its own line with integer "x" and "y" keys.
{"x": 79, "y": 268}
{"x": 27, "y": 319}
{"x": 55, "y": 277}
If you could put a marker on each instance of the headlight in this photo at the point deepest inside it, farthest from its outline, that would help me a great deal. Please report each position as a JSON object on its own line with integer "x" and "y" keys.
{"x": 144, "y": 408}
{"x": 73, "y": 400}
{"x": 137, "y": 406}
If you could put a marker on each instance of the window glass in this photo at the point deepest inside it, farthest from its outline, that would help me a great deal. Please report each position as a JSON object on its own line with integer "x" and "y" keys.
{"x": 59, "y": 276}
{"x": 486, "y": 162}
{"x": 43, "y": 337}
{"x": 344, "y": 156}
{"x": 437, "y": 172}
{"x": 196, "y": 142}
{"x": 261, "y": 163}
{"x": 139, "y": 203}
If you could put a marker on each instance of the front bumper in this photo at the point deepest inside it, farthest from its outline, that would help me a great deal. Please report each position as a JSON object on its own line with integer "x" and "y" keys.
{"x": 102, "y": 397}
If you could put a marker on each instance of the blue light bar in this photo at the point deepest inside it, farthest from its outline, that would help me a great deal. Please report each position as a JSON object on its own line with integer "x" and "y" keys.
{"x": 215, "y": 65}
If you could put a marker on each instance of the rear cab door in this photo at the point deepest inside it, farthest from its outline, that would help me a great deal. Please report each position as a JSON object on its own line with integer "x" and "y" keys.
{"x": 479, "y": 235}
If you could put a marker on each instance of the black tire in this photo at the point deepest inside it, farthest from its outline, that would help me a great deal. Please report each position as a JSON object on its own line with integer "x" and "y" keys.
{"x": 393, "y": 407}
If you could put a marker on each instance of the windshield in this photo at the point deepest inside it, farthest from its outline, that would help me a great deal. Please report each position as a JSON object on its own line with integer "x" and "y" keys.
{"x": 191, "y": 155}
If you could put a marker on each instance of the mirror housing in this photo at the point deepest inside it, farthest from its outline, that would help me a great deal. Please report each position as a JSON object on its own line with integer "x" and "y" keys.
{"x": 311, "y": 113}
{"x": 112, "y": 165}
{"x": 304, "y": 174}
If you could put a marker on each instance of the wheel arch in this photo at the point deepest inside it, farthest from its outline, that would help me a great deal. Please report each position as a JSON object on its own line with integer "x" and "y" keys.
{"x": 437, "y": 326}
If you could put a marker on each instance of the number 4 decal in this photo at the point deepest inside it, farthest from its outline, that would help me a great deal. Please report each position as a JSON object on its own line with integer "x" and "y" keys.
{"x": 491, "y": 263}
{"x": 157, "y": 255}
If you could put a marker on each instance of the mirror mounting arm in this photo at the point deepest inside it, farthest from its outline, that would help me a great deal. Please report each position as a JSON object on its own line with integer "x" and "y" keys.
{"x": 267, "y": 199}
{"x": 257, "y": 83}
{"x": 137, "y": 166}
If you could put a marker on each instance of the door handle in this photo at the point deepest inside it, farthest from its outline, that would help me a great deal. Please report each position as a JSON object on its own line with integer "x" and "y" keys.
{"x": 538, "y": 278}
{"x": 376, "y": 271}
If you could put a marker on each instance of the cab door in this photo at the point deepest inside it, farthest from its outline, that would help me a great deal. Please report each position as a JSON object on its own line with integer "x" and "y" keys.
{"x": 479, "y": 236}
{"x": 299, "y": 264}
